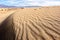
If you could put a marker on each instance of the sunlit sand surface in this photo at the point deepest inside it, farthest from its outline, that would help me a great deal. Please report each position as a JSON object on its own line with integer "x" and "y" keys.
{"x": 42, "y": 23}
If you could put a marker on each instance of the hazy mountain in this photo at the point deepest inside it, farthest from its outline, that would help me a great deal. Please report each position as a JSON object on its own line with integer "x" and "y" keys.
{"x": 5, "y": 6}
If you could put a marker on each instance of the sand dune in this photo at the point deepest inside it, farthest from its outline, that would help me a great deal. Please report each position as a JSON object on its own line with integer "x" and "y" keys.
{"x": 42, "y": 23}
{"x": 4, "y": 13}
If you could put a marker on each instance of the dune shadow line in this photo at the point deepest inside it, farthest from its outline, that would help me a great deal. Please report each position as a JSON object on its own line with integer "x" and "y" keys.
{"x": 6, "y": 29}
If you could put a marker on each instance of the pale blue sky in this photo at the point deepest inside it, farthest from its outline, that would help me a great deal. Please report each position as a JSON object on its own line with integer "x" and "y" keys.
{"x": 30, "y": 2}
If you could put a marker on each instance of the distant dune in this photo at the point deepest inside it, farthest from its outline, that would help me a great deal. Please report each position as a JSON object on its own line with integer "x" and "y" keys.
{"x": 37, "y": 23}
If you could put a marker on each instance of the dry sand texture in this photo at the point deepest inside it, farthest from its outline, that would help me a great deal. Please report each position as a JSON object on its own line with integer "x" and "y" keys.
{"x": 5, "y": 12}
{"x": 34, "y": 23}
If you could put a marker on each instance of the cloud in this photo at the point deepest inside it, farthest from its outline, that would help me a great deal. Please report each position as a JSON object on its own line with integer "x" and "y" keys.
{"x": 30, "y": 2}
{"x": 53, "y": 0}
{"x": 51, "y": 3}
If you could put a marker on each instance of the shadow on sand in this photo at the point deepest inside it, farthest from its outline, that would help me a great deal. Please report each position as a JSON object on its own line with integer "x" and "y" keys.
{"x": 6, "y": 29}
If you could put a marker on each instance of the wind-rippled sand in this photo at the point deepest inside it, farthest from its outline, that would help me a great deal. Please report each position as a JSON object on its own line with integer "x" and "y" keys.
{"x": 42, "y": 23}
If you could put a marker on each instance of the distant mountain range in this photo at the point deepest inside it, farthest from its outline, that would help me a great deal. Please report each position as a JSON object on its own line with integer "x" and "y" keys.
{"x": 5, "y": 6}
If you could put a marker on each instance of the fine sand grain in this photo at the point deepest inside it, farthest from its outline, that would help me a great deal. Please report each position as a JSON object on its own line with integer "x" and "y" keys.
{"x": 42, "y": 23}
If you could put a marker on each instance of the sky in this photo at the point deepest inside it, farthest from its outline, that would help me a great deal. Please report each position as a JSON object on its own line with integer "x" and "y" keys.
{"x": 30, "y": 2}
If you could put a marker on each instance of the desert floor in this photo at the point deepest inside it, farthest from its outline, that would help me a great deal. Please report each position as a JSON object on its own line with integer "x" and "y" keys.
{"x": 43, "y": 14}
{"x": 43, "y": 11}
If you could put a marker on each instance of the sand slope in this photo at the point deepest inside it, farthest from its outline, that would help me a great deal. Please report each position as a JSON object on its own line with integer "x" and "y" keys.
{"x": 37, "y": 23}
{"x": 4, "y": 13}
{"x": 41, "y": 23}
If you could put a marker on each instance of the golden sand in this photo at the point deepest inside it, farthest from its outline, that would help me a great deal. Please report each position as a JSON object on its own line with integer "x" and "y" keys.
{"x": 27, "y": 17}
